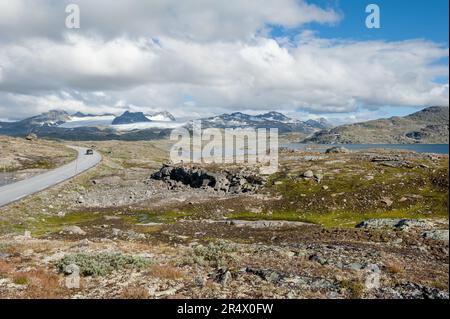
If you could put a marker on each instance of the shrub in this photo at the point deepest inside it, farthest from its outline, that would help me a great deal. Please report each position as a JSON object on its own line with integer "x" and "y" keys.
{"x": 102, "y": 263}
{"x": 20, "y": 280}
{"x": 215, "y": 255}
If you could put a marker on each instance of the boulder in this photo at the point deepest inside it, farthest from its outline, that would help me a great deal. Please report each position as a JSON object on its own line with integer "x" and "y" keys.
{"x": 75, "y": 230}
{"x": 31, "y": 137}
{"x": 194, "y": 177}
{"x": 337, "y": 150}
{"x": 437, "y": 234}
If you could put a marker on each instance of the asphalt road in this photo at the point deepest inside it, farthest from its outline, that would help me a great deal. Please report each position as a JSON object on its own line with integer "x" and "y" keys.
{"x": 13, "y": 192}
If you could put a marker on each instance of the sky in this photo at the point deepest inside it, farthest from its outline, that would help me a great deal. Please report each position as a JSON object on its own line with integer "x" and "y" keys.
{"x": 196, "y": 58}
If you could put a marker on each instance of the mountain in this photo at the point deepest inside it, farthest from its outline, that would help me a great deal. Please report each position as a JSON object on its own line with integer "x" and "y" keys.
{"x": 80, "y": 126}
{"x": 50, "y": 118}
{"x": 161, "y": 116}
{"x": 321, "y": 123}
{"x": 82, "y": 115}
{"x": 428, "y": 126}
{"x": 130, "y": 117}
{"x": 277, "y": 120}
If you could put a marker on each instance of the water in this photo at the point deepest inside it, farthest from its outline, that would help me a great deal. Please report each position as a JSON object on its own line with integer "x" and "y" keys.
{"x": 420, "y": 148}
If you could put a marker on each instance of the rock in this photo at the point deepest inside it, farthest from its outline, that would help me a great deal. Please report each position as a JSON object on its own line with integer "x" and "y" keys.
{"x": 387, "y": 201}
{"x": 373, "y": 268}
{"x": 318, "y": 177}
{"x": 308, "y": 174}
{"x": 222, "y": 276}
{"x": 71, "y": 269}
{"x": 266, "y": 274}
{"x": 257, "y": 224}
{"x": 416, "y": 291}
{"x": 75, "y": 230}
{"x": 437, "y": 234}
{"x": 356, "y": 266}
{"x": 337, "y": 150}
{"x": 397, "y": 223}
{"x": 167, "y": 292}
{"x": 31, "y": 137}
{"x": 325, "y": 187}
{"x": 116, "y": 232}
{"x": 179, "y": 176}
{"x": 4, "y": 255}
{"x": 318, "y": 258}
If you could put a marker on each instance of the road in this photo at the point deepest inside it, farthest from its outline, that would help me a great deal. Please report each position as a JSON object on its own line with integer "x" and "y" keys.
{"x": 13, "y": 192}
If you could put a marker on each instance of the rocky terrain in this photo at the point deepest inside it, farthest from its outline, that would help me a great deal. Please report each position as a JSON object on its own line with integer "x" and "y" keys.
{"x": 429, "y": 126}
{"x": 367, "y": 224}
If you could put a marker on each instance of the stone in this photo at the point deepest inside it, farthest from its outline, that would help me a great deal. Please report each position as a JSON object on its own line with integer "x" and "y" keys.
{"x": 75, "y": 230}
{"x": 31, "y": 137}
{"x": 308, "y": 174}
{"x": 337, "y": 150}
{"x": 318, "y": 258}
{"x": 387, "y": 201}
{"x": 356, "y": 266}
{"x": 437, "y": 234}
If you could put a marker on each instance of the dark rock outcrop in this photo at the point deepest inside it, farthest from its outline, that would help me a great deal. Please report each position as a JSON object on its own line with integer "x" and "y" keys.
{"x": 178, "y": 176}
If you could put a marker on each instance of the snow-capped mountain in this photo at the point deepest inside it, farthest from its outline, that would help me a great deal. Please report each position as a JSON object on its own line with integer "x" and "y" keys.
{"x": 267, "y": 120}
{"x": 163, "y": 116}
{"x": 50, "y": 118}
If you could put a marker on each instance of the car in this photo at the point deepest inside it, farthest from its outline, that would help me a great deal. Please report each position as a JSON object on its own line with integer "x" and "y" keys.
{"x": 89, "y": 152}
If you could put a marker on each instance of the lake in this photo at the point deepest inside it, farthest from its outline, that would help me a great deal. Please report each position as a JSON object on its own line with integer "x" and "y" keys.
{"x": 420, "y": 148}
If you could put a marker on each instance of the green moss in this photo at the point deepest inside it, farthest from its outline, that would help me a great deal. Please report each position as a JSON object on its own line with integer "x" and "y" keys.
{"x": 144, "y": 217}
{"x": 335, "y": 219}
{"x": 45, "y": 224}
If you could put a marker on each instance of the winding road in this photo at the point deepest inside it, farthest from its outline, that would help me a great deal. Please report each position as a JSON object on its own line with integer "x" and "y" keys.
{"x": 13, "y": 192}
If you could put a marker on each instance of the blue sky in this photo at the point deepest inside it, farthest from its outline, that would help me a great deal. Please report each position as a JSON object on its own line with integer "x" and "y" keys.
{"x": 400, "y": 20}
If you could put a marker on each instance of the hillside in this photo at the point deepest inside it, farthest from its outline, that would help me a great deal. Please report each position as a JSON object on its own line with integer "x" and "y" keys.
{"x": 428, "y": 126}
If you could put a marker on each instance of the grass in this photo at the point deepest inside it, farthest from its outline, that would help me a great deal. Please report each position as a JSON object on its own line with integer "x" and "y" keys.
{"x": 346, "y": 219}
{"x": 20, "y": 280}
{"x": 354, "y": 287}
{"x": 46, "y": 225}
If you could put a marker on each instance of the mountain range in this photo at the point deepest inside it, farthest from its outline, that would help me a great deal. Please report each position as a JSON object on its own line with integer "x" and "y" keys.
{"x": 428, "y": 126}
{"x": 272, "y": 119}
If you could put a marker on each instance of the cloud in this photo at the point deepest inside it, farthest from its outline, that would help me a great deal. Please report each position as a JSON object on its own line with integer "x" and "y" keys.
{"x": 211, "y": 59}
{"x": 199, "y": 20}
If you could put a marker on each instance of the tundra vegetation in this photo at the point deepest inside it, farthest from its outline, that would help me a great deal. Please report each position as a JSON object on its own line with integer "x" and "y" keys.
{"x": 318, "y": 228}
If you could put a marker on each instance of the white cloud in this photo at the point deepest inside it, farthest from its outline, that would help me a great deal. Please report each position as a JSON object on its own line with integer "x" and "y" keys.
{"x": 202, "y": 20}
{"x": 201, "y": 57}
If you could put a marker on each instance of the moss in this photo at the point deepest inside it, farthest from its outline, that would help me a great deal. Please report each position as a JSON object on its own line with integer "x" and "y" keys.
{"x": 334, "y": 219}
{"x": 45, "y": 224}
{"x": 166, "y": 217}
